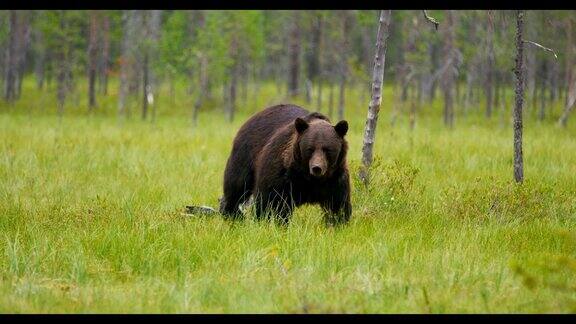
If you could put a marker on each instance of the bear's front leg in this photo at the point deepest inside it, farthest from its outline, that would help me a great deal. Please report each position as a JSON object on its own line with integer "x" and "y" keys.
{"x": 337, "y": 207}
{"x": 275, "y": 202}
{"x": 338, "y": 212}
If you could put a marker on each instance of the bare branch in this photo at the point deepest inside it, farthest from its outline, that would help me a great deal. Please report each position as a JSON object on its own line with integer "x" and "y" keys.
{"x": 430, "y": 19}
{"x": 542, "y": 47}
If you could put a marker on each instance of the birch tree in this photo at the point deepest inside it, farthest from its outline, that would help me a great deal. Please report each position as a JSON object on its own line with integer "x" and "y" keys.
{"x": 376, "y": 101}
{"x": 150, "y": 40}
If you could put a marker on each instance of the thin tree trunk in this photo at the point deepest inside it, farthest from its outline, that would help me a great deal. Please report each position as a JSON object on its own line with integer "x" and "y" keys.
{"x": 553, "y": 82}
{"x": 154, "y": 24}
{"x": 315, "y": 68}
{"x": 243, "y": 81}
{"x": 145, "y": 86}
{"x": 570, "y": 94}
{"x": 92, "y": 59}
{"x": 430, "y": 84}
{"x": 232, "y": 98}
{"x": 518, "y": 157}
{"x": 61, "y": 60}
{"x": 202, "y": 72}
{"x": 203, "y": 75}
{"x": 11, "y": 58}
{"x": 294, "y": 55}
{"x": 331, "y": 101}
{"x": 125, "y": 62}
{"x": 39, "y": 60}
{"x": 345, "y": 17}
{"x": 376, "y": 101}
{"x": 342, "y": 98}
{"x": 320, "y": 59}
{"x": 456, "y": 91}
{"x": 568, "y": 75}
{"x": 496, "y": 90}
{"x": 412, "y": 118}
{"x": 563, "y": 121}
{"x": 234, "y": 71}
{"x": 24, "y": 43}
{"x": 311, "y": 52}
{"x": 308, "y": 91}
{"x": 448, "y": 75}
{"x": 319, "y": 99}
{"x": 490, "y": 64}
{"x": 529, "y": 85}
{"x": 418, "y": 87}
{"x": 405, "y": 87}
{"x": 49, "y": 77}
{"x": 541, "y": 112}
{"x": 172, "y": 85}
{"x": 256, "y": 75}
{"x": 469, "y": 86}
{"x": 105, "y": 58}
{"x": 278, "y": 79}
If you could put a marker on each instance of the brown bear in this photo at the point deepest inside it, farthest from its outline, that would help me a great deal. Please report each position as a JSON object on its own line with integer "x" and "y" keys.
{"x": 285, "y": 157}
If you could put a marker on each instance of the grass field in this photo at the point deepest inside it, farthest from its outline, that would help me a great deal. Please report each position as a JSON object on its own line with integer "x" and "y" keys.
{"x": 90, "y": 217}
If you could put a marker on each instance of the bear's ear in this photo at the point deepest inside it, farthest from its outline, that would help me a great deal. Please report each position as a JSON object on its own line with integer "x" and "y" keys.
{"x": 341, "y": 128}
{"x": 301, "y": 125}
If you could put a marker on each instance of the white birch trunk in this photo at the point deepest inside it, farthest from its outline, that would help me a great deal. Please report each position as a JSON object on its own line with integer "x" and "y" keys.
{"x": 376, "y": 101}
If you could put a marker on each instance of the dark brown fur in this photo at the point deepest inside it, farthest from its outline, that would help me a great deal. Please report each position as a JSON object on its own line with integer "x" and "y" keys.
{"x": 274, "y": 161}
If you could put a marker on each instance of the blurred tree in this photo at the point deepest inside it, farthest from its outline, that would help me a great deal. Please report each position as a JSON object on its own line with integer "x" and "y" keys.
{"x": 518, "y": 156}
{"x": 176, "y": 47}
{"x": 489, "y": 70}
{"x": 130, "y": 30}
{"x": 294, "y": 55}
{"x": 570, "y": 80}
{"x": 93, "y": 56}
{"x": 14, "y": 55}
{"x": 103, "y": 64}
{"x": 302, "y": 53}
{"x": 346, "y": 24}
{"x": 149, "y": 43}
{"x": 449, "y": 70}
{"x": 65, "y": 44}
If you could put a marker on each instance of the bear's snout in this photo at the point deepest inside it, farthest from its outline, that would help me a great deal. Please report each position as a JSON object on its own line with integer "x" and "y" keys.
{"x": 316, "y": 170}
{"x": 317, "y": 165}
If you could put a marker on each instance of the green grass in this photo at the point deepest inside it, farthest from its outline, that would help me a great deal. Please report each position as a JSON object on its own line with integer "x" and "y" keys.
{"x": 90, "y": 217}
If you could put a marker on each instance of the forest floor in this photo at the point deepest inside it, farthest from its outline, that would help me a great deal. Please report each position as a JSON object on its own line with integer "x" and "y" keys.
{"x": 90, "y": 218}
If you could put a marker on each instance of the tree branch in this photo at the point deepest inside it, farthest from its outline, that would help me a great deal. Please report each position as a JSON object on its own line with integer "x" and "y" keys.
{"x": 430, "y": 19}
{"x": 542, "y": 47}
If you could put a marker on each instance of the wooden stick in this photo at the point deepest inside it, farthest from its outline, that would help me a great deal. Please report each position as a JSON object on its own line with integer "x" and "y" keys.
{"x": 542, "y": 47}
{"x": 430, "y": 19}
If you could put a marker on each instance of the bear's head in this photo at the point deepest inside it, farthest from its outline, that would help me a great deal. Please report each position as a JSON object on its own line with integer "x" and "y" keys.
{"x": 320, "y": 147}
